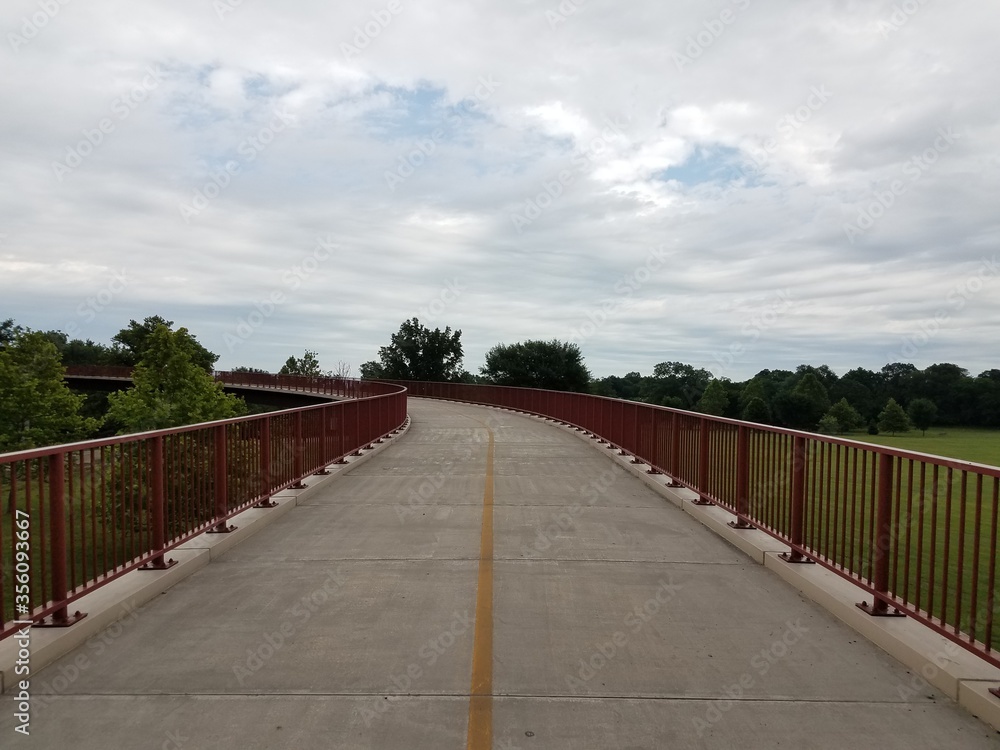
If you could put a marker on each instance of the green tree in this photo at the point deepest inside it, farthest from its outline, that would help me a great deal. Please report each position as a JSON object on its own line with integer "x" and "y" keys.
{"x": 893, "y": 419}
{"x": 9, "y": 332}
{"x": 418, "y": 353}
{"x": 922, "y": 412}
{"x": 896, "y": 380}
{"x": 675, "y": 384}
{"x": 307, "y": 364}
{"x": 858, "y": 386}
{"x": 553, "y": 365}
{"x": 987, "y": 386}
{"x": 801, "y": 405}
{"x": 714, "y": 400}
{"x": 130, "y": 344}
{"x": 754, "y": 388}
{"x": 627, "y": 387}
{"x": 757, "y": 410}
{"x": 170, "y": 388}
{"x": 846, "y": 416}
{"x": 79, "y": 352}
{"x": 36, "y": 406}
{"x": 828, "y": 425}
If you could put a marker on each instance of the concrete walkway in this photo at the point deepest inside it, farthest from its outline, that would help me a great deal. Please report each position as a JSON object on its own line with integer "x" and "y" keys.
{"x": 616, "y": 622}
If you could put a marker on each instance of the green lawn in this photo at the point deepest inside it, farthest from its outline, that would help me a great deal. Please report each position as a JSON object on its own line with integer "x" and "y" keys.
{"x": 966, "y": 443}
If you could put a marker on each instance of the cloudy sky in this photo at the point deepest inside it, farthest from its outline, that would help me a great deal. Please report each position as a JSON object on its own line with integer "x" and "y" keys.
{"x": 736, "y": 184}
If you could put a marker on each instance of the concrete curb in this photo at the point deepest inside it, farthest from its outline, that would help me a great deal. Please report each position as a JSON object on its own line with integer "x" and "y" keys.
{"x": 118, "y": 601}
{"x": 933, "y": 659}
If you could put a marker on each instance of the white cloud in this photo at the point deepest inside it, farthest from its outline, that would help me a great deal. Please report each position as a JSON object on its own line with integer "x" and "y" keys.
{"x": 515, "y": 104}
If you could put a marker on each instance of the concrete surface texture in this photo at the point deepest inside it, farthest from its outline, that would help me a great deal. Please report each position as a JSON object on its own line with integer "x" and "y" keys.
{"x": 616, "y": 622}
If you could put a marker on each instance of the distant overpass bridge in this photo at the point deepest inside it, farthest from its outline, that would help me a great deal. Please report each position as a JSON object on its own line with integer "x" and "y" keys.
{"x": 482, "y": 577}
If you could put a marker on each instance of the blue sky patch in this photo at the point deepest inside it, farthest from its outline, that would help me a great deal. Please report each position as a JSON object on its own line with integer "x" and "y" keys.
{"x": 713, "y": 164}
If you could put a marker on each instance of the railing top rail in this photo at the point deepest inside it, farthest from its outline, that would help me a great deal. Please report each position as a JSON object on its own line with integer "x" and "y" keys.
{"x": 944, "y": 461}
{"x": 81, "y": 371}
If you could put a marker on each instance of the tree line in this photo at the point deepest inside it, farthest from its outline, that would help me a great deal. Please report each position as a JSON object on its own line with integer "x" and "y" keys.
{"x": 173, "y": 384}
{"x": 893, "y": 399}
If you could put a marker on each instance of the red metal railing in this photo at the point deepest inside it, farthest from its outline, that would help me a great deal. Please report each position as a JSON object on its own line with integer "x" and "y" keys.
{"x": 916, "y": 532}
{"x": 75, "y": 517}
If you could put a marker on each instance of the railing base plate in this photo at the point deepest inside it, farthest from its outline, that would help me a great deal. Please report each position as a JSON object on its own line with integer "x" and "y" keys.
{"x": 266, "y": 503}
{"x": 741, "y": 524}
{"x": 869, "y": 609}
{"x": 49, "y": 622}
{"x": 158, "y": 565}
{"x": 796, "y": 558}
{"x": 223, "y": 529}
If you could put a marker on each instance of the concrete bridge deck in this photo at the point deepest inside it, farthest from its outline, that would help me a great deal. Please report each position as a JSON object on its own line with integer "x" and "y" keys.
{"x": 596, "y": 614}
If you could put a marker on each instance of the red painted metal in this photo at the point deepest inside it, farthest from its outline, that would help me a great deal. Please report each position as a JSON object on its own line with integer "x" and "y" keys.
{"x": 59, "y": 616}
{"x": 157, "y": 508}
{"x": 101, "y": 508}
{"x": 742, "y": 479}
{"x": 915, "y": 536}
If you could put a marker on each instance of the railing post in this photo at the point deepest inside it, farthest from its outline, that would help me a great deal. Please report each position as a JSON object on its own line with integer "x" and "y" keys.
{"x": 156, "y": 507}
{"x": 356, "y": 440}
{"x": 742, "y": 479}
{"x": 265, "y": 464}
{"x": 324, "y": 433}
{"x": 883, "y": 543}
{"x": 652, "y": 441}
{"x": 675, "y": 449}
{"x": 60, "y": 618}
{"x": 297, "y": 452}
{"x": 798, "y": 516}
{"x": 221, "y": 456}
{"x": 704, "y": 448}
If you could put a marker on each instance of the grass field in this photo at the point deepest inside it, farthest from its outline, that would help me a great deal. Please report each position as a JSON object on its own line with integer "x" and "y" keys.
{"x": 966, "y": 443}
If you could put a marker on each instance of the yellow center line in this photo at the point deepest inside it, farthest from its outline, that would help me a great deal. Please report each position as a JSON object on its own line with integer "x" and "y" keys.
{"x": 480, "y": 735}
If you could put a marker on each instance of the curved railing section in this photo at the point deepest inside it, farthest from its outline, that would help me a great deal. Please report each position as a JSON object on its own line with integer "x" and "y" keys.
{"x": 915, "y": 531}
{"x": 75, "y": 517}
